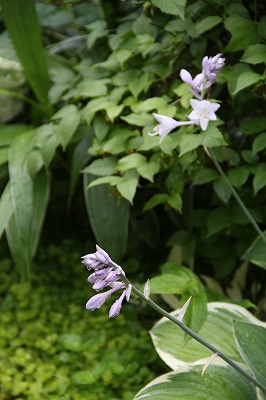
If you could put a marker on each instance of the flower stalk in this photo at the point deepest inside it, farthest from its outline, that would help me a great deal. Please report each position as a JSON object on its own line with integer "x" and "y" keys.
{"x": 235, "y": 194}
{"x": 198, "y": 338}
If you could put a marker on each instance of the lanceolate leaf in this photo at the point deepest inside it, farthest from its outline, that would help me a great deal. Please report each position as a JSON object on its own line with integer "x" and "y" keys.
{"x": 6, "y": 208}
{"x": 22, "y": 25}
{"x": 29, "y": 200}
{"x": 109, "y": 217}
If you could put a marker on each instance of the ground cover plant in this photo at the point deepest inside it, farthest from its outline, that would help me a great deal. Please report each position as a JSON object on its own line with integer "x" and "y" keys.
{"x": 81, "y": 116}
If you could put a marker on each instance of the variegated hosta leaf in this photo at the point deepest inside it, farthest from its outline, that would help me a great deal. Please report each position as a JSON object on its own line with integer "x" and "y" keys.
{"x": 220, "y": 382}
{"x": 169, "y": 339}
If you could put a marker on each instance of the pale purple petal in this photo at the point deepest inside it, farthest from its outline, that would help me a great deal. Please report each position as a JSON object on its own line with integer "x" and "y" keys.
{"x": 198, "y": 80}
{"x": 214, "y": 106}
{"x": 98, "y": 300}
{"x": 204, "y": 123}
{"x": 99, "y": 285}
{"x": 196, "y": 104}
{"x": 147, "y": 290}
{"x": 102, "y": 256}
{"x": 128, "y": 291}
{"x": 116, "y": 307}
{"x": 186, "y": 76}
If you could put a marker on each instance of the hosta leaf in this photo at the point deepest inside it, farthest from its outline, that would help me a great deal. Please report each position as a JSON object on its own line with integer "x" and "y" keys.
{"x": 251, "y": 340}
{"x": 109, "y": 218}
{"x": 220, "y": 382}
{"x": 6, "y": 208}
{"x": 168, "y": 338}
{"x": 259, "y": 180}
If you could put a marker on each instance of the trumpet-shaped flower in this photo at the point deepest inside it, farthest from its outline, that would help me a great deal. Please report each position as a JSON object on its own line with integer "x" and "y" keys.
{"x": 203, "y": 112}
{"x": 166, "y": 125}
{"x": 106, "y": 273}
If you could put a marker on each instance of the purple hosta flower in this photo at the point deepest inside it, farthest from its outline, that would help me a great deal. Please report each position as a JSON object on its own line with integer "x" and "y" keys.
{"x": 96, "y": 260}
{"x": 166, "y": 125}
{"x": 106, "y": 273}
{"x": 210, "y": 68}
{"x": 99, "y": 299}
{"x": 116, "y": 307}
{"x": 196, "y": 83}
{"x": 212, "y": 65}
{"x": 203, "y": 112}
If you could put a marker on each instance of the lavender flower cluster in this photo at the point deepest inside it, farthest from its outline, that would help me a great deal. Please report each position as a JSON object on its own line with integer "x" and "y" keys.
{"x": 210, "y": 68}
{"x": 106, "y": 273}
{"x": 203, "y": 110}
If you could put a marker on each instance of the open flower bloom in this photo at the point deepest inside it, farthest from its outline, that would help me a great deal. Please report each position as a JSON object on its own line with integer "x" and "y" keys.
{"x": 106, "y": 273}
{"x": 203, "y": 112}
{"x": 166, "y": 125}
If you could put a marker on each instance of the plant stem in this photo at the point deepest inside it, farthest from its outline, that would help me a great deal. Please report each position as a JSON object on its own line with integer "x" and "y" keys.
{"x": 236, "y": 196}
{"x": 194, "y": 335}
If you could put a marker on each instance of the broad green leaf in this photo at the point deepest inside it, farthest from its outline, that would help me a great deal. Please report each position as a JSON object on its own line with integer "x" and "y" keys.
{"x": 175, "y": 201}
{"x": 6, "y": 208}
{"x": 134, "y": 160}
{"x": 22, "y": 24}
{"x": 204, "y": 176}
{"x": 140, "y": 83}
{"x": 255, "y": 54}
{"x": 212, "y": 137}
{"x": 251, "y": 340}
{"x": 207, "y": 23}
{"x": 29, "y": 198}
{"x": 190, "y": 142}
{"x": 102, "y": 167}
{"x": 259, "y": 143}
{"x": 10, "y": 132}
{"x": 79, "y": 158}
{"x": 222, "y": 190}
{"x": 69, "y": 119}
{"x": 159, "y": 198}
{"x": 240, "y": 40}
{"x": 21, "y": 189}
{"x": 149, "y": 169}
{"x": 185, "y": 94}
{"x": 217, "y": 220}
{"x": 41, "y": 194}
{"x": 101, "y": 127}
{"x": 168, "y": 338}
{"x": 109, "y": 218}
{"x": 220, "y": 382}
{"x": 114, "y": 111}
{"x": 257, "y": 253}
{"x": 254, "y": 125}
{"x": 141, "y": 119}
{"x": 259, "y": 180}
{"x": 246, "y": 79}
{"x": 238, "y": 176}
{"x": 97, "y": 29}
{"x": 90, "y": 88}
{"x": 111, "y": 180}
{"x": 128, "y": 185}
{"x": 150, "y": 104}
{"x": 174, "y": 7}
{"x": 176, "y": 279}
{"x": 143, "y": 25}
